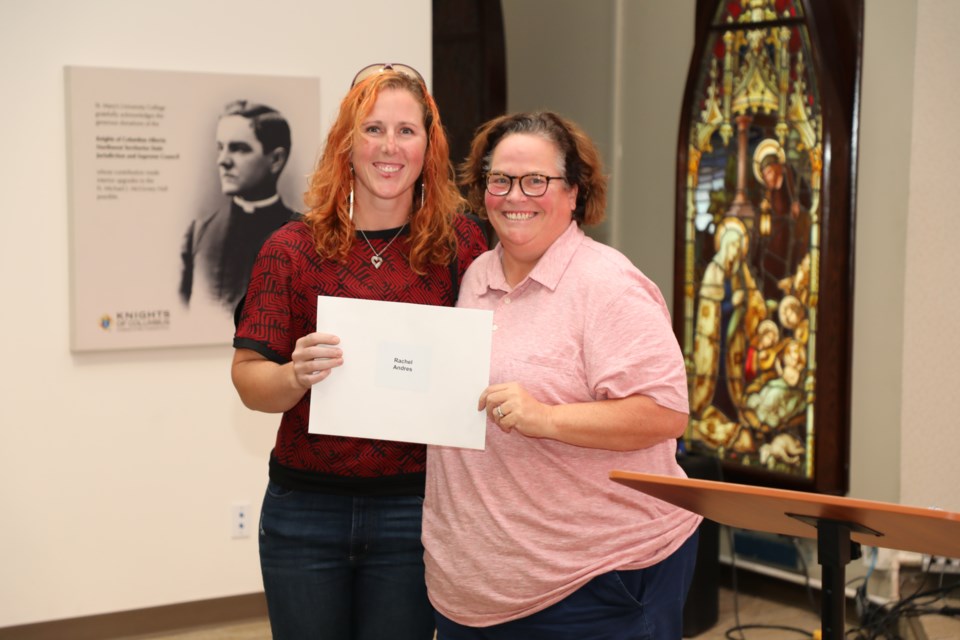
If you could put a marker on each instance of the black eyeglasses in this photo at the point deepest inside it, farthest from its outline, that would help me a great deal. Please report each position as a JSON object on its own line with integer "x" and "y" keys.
{"x": 380, "y": 67}
{"x": 533, "y": 185}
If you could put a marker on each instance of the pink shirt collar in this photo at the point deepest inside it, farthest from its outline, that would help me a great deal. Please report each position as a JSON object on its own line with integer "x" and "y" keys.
{"x": 548, "y": 270}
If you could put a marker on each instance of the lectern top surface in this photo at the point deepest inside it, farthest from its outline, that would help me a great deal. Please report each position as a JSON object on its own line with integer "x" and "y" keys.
{"x": 878, "y": 524}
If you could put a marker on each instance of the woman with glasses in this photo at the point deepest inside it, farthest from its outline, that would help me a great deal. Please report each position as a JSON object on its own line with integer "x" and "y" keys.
{"x": 340, "y": 548}
{"x": 529, "y": 538}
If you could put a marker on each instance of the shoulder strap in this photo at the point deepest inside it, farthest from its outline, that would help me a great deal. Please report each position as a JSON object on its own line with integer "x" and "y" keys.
{"x": 454, "y": 279}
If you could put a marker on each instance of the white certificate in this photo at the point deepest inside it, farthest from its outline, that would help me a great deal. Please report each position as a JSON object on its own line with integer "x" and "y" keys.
{"x": 411, "y": 372}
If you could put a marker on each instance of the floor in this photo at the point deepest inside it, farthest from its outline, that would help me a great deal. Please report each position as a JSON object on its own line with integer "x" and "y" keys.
{"x": 764, "y": 609}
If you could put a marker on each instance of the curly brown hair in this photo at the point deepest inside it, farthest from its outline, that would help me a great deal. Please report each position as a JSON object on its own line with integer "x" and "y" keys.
{"x": 432, "y": 236}
{"x": 581, "y": 163}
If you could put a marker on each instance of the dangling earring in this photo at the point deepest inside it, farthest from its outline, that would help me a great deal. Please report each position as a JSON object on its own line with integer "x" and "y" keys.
{"x": 350, "y": 200}
{"x": 423, "y": 193}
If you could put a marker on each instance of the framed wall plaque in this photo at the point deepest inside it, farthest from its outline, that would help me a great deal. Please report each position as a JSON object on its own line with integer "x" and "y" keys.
{"x": 143, "y": 167}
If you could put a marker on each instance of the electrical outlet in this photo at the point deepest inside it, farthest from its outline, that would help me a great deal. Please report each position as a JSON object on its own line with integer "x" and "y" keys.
{"x": 240, "y": 522}
{"x": 945, "y": 565}
{"x": 940, "y": 564}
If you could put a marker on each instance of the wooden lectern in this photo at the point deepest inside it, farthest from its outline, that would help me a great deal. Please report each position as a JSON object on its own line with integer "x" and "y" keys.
{"x": 836, "y": 523}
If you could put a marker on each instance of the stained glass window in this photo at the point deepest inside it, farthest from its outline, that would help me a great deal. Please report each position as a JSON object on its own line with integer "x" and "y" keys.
{"x": 751, "y": 240}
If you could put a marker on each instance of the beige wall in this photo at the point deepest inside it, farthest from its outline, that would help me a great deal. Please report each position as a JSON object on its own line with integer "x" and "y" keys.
{"x": 930, "y": 471}
{"x": 560, "y": 56}
{"x": 604, "y": 63}
{"x": 890, "y": 36}
{"x": 652, "y": 82}
{"x": 118, "y": 470}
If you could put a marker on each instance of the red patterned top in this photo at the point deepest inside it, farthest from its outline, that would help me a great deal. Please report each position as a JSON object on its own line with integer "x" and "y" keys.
{"x": 281, "y": 307}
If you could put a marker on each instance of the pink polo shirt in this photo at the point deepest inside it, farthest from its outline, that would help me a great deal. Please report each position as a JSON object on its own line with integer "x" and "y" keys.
{"x": 519, "y": 526}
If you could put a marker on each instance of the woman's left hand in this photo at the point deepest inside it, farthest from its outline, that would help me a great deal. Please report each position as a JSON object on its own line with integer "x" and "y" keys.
{"x": 511, "y": 407}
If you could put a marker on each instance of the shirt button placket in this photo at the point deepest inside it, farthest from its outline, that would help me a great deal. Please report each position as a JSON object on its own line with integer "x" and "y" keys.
{"x": 505, "y": 300}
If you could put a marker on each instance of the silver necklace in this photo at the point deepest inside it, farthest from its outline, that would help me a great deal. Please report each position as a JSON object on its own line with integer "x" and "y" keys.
{"x": 376, "y": 259}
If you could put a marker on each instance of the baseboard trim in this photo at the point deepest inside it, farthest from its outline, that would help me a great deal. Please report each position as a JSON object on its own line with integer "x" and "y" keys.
{"x": 124, "y": 624}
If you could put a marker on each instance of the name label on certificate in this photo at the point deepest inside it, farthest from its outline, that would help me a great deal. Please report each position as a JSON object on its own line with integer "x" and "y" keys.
{"x": 411, "y": 373}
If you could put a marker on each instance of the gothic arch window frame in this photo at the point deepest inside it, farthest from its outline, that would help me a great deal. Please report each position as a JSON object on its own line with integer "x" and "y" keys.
{"x": 770, "y": 394}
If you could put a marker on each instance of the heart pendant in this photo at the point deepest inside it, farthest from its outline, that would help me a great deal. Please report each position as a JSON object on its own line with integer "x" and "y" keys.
{"x": 377, "y": 261}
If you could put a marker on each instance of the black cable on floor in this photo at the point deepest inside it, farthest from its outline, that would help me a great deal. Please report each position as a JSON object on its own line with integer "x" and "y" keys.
{"x": 739, "y": 627}
{"x": 883, "y": 621}
{"x": 733, "y": 584}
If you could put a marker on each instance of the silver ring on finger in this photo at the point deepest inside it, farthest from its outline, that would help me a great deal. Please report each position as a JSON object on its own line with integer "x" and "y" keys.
{"x": 499, "y": 412}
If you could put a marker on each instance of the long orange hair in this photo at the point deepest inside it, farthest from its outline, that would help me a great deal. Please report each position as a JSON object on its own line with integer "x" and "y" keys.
{"x": 432, "y": 236}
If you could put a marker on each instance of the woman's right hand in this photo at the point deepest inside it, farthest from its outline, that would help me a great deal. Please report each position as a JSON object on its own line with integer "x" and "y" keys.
{"x": 314, "y": 357}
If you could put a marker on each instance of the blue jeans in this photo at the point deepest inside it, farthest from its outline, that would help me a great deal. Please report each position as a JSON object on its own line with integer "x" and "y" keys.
{"x": 342, "y": 567}
{"x": 645, "y": 604}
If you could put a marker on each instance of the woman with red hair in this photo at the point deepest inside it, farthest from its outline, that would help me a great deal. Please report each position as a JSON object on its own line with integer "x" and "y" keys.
{"x": 340, "y": 548}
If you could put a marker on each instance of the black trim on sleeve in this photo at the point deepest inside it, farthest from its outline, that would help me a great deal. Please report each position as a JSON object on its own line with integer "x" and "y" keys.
{"x": 253, "y": 345}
